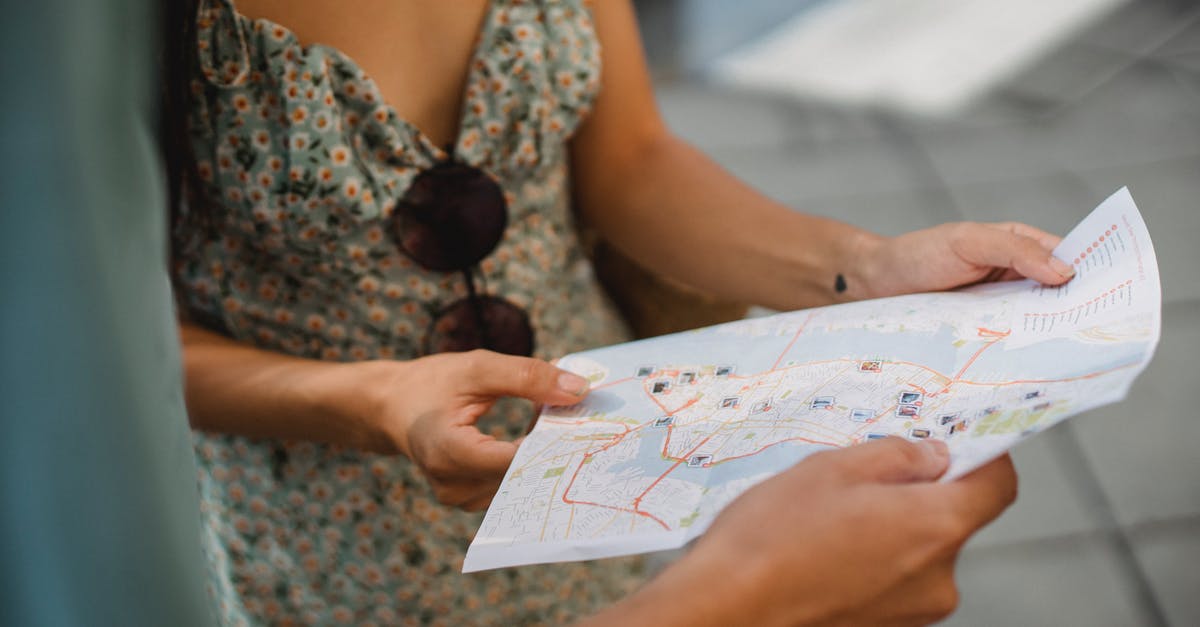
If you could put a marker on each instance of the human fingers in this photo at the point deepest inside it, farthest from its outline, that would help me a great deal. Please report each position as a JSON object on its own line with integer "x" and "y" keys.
{"x": 493, "y": 374}
{"x": 469, "y": 452}
{"x": 464, "y": 465}
{"x": 1048, "y": 241}
{"x": 921, "y": 599}
{"x": 972, "y": 501}
{"x": 989, "y": 246}
{"x": 890, "y": 460}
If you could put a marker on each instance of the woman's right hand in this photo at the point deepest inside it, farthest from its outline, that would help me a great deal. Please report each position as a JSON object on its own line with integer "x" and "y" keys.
{"x": 859, "y": 536}
{"x": 427, "y": 409}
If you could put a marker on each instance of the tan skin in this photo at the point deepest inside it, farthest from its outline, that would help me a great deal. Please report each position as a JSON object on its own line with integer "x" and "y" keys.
{"x": 659, "y": 200}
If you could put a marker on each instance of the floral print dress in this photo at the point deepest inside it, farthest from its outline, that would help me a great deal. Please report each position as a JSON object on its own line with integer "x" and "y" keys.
{"x": 306, "y": 163}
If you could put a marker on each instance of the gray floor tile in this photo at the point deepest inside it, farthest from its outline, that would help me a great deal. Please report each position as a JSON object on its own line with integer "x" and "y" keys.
{"x": 1055, "y": 202}
{"x": 1143, "y": 450}
{"x": 1145, "y": 114}
{"x": 1067, "y": 73}
{"x": 1140, "y": 24}
{"x": 1066, "y": 583}
{"x": 1183, "y": 50}
{"x": 1168, "y": 195}
{"x": 714, "y": 119}
{"x": 992, "y": 154}
{"x": 1170, "y": 555}
{"x": 1047, "y": 506}
{"x": 834, "y": 169}
{"x": 887, "y": 213}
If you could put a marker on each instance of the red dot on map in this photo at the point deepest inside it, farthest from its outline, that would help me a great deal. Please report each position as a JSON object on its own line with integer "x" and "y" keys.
{"x": 1108, "y": 232}
{"x": 1102, "y": 238}
{"x": 1089, "y": 249}
{"x": 1114, "y": 227}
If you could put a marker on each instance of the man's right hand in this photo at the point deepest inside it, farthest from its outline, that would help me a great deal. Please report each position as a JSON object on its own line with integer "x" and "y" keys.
{"x": 858, "y": 536}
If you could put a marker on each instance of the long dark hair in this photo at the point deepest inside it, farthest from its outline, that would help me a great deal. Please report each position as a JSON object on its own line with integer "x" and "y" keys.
{"x": 177, "y": 67}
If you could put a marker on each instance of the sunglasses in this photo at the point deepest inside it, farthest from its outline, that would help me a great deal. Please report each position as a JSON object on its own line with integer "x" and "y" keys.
{"x": 452, "y": 216}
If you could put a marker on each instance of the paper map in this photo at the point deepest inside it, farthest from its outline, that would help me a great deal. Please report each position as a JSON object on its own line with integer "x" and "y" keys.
{"x": 678, "y": 426}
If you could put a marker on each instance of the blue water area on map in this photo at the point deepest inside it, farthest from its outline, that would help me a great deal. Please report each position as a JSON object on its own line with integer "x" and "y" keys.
{"x": 649, "y": 461}
{"x": 1046, "y": 359}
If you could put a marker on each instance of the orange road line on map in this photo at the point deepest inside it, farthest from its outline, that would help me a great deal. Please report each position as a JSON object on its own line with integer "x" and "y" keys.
{"x": 617, "y": 438}
{"x": 767, "y": 446}
{"x": 612, "y": 383}
{"x": 794, "y": 338}
{"x": 570, "y": 501}
{"x": 546, "y": 520}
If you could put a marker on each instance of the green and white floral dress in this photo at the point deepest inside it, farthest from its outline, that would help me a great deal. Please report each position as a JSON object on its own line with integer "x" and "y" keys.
{"x": 306, "y": 162}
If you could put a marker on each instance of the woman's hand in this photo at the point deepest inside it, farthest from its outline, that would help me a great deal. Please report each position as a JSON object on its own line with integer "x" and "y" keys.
{"x": 953, "y": 255}
{"x": 427, "y": 408}
{"x": 858, "y": 536}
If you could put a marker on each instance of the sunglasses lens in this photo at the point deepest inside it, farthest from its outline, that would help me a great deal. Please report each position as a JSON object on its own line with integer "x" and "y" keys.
{"x": 452, "y": 216}
{"x": 486, "y": 322}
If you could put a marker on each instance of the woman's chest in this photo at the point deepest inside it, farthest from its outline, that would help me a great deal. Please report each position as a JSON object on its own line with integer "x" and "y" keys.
{"x": 418, "y": 52}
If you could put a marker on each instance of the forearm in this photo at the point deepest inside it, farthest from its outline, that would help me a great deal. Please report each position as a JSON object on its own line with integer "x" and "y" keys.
{"x": 235, "y": 388}
{"x": 678, "y": 213}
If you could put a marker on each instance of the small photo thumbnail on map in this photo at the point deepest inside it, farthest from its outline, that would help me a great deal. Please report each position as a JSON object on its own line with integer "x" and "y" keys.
{"x": 957, "y": 428}
{"x": 724, "y": 371}
{"x": 871, "y": 366}
{"x": 862, "y": 415}
{"x": 687, "y": 378}
{"x": 908, "y": 411}
{"x": 664, "y": 421}
{"x": 761, "y": 407}
{"x": 1032, "y": 395}
{"x": 644, "y": 371}
{"x": 696, "y": 461}
{"x": 660, "y": 386}
{"x": 876, "y": 436}
{"x": 910, "y": 398}
{"x": 947, "y": 419}
{"x": 920, "y": 434}
{"x": 822, "y": 402}
{"x": 989, "y": 411}
{"x": 730, "y": 402}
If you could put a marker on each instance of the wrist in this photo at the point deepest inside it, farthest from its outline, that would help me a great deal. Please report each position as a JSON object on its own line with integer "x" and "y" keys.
{"x": 865, "y": 267}
{"x": 361, "y": 395}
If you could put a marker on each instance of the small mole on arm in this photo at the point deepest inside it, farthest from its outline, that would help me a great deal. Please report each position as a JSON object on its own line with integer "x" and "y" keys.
{"x": 839, "y": 284}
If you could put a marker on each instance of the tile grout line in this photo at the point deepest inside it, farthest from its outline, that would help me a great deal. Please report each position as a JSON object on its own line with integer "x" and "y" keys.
{"x": 924, "y": 167}
{"x": 1080, "y": 473}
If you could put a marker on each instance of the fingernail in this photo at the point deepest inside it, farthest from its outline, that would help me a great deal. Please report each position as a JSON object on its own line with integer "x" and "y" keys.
{"x": 572, "y": 383}
{"x": 1062, "y": 267}
{"x": 936, "y": 449}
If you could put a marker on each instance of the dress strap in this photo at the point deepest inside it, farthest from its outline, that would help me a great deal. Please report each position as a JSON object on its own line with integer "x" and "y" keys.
{"x": 221, "y": 46}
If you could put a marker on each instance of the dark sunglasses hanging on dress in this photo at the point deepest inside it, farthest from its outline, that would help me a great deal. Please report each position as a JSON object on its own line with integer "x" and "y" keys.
{"x": 453, "y": 216}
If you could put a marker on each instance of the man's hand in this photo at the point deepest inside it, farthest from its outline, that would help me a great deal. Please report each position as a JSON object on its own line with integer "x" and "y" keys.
{"x": 953, "y": 255}
{"x": 428, "y": 408}
{"x": 858, "y": 536}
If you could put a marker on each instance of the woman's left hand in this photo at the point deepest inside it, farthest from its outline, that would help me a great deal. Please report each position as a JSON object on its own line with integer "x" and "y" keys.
{"x": 962, "y": 253}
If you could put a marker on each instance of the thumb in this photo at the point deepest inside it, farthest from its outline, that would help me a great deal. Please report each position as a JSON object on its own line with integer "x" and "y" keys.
{"x": 894, "y": 460}
{"x": 1004, "y": 248}
{"x": 494, "y": 374}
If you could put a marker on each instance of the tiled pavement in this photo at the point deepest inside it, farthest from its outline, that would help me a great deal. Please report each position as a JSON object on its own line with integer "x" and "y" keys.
{"x": 1107, "y": 528}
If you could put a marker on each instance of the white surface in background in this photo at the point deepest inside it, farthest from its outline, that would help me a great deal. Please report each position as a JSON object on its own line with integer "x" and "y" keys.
{"x": 925, "y": 56}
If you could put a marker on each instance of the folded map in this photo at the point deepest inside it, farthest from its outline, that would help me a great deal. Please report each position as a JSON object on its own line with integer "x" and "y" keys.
{"x": 676, "y": 427}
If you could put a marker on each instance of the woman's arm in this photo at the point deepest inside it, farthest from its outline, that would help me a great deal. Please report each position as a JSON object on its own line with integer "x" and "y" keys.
{"x": 424, "y": 408}
{"x": 239, "y": 389}
{"x": 676, "y": 212}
